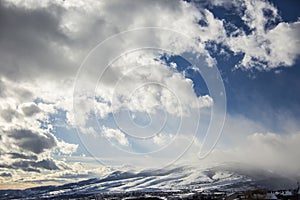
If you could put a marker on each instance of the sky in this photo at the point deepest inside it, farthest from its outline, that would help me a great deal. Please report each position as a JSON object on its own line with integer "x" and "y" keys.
{"x": 88, "y": 87}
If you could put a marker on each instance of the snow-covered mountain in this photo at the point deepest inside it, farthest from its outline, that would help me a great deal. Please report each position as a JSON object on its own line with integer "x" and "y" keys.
{"x": 227, "y": 177}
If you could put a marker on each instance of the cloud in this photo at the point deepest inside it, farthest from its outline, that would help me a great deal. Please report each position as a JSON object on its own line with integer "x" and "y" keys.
{"x": 162, "y": 139}
{"x": 27, "y": 149}
{"x": 67, "y": 148}
{"x": 252, "y": 144}
{"x": 30, "y": 109}
{"x": 271, "y": 151}
{"x": 4, "y": 174}
{"x": 21, "y": 31}
{"x": 274, "y": 150}
{"x": 70, "y": 31}
{"x": 268, "y": 50}
{"x": 22, "y": 156}
{"x": 26, "y": 139}
{"x": 8, "y": 114}
{"x": 31, "y": 141}
{"x": 32, "y": 166}
{"x": 115, "y": 134}
{"x": 147, "y": 88}
{"x": 270, "y": 42}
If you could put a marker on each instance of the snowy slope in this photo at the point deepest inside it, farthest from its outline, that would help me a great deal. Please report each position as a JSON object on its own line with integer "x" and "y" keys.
{"x": 225, "y": 178}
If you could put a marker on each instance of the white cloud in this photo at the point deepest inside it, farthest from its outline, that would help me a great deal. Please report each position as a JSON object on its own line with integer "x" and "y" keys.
{"x": 147, "y": 89}
{"x": 270, "y": 43}
{"x": 115, "y": 134}
{"x": 275, "y": 152}
{"x": 67, "y": 148}
{"x": 254, "y": 15}
{"x": 162, "y": 138}
{"x": 278, "y": 47}
{"x": 285, "y": 44}
{"x": 250, "y": 143}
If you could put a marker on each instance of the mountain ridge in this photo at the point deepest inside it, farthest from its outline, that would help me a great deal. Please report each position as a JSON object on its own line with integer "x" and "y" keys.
{"x": 226, "y": 177}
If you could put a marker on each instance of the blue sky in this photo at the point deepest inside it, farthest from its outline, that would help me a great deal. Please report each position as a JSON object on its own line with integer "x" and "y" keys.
{"x": 87, "y": 87}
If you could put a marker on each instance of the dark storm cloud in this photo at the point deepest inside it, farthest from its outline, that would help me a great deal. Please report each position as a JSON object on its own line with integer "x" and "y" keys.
{"x": 24, "y": 149}
{"x": 32, "y": 166}
{"x": 5, "y": 174}
{"x": 19, "y": 165}
{"x": 32, "y": 141}
{"x": 48, "y": 164}
{"x": 22, "y": 156}
{"x": 37, "y": 42}
{"x": 28, "y": 40}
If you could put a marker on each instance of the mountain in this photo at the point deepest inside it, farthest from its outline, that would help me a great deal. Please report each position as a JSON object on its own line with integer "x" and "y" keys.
{"x": 227, "y": 177}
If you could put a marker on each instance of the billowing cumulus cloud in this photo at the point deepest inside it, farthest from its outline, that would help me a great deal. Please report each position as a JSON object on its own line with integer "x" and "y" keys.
{"x": 148, "y": 88}
{"x": 269, "y": 42}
